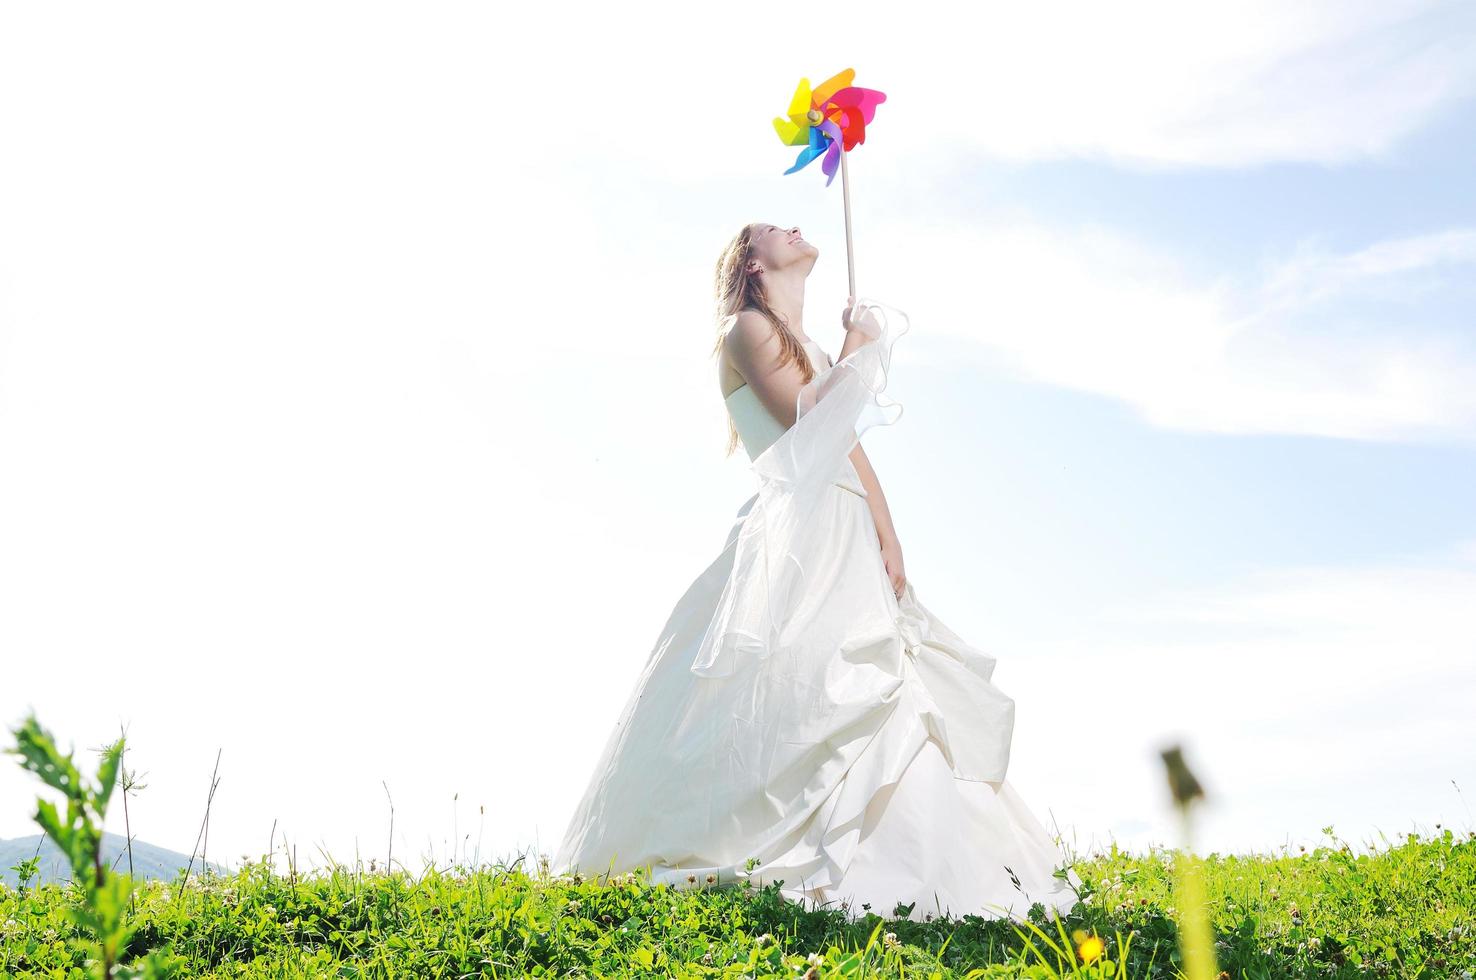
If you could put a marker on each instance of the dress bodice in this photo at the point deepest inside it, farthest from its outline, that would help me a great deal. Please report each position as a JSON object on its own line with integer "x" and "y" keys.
{"x": 757, "y": 429}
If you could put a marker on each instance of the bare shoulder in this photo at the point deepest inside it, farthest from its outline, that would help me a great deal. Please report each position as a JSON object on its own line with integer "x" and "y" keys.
{"x": 752, "y": 343}
{"x": 750, "y": 331}
{"x": 754, "y": 347}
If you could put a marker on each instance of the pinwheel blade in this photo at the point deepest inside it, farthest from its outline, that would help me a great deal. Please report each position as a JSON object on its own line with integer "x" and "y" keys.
{"x": 808, "y": 154}
{"x": 818, "y": 142}
{"x": 831, "y": 163}
{"x": 832, "y": 156}
{"x": 791, "y": 134}
{"x": 799, "y": 106}
{"x": 863, "y": 100}
{"x": 830, "y": 86}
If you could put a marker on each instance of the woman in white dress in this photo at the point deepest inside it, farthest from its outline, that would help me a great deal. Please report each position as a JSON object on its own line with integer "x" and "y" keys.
{"x": 802, "y": 717}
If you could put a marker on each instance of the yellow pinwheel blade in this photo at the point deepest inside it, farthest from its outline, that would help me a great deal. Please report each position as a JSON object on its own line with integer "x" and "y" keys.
{"x": 831, "y": 86}
{"x": 799, "y": 106}
{"x": 791, "y": 134}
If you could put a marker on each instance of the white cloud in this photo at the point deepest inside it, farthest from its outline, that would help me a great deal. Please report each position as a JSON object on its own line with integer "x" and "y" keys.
{"x": 1295, "y": 352}
{"x": 1304, "y": 696}
{"x": 1313, "y": 274}
{"x": 1144, "y": 84}
{"x": 689, "y": 92}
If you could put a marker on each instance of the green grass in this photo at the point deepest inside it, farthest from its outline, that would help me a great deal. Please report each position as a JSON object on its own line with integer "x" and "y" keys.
{"x": 1405, "y": 910}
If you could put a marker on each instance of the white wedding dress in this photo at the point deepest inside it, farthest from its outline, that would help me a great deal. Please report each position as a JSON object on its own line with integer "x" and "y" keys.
{"x": 793, "y": 711}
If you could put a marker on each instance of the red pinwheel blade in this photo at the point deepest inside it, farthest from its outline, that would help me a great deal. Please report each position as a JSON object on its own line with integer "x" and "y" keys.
{"x": 852, "y": 108}
{"x": 848, "y": 123}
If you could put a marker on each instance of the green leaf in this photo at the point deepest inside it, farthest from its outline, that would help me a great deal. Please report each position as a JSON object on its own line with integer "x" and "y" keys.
{"x": 39, "y": 754}
{"x": 51, "y": 823}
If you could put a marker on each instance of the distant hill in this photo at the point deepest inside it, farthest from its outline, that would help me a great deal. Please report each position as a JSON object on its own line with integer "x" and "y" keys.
{"x": 149, "y": 860}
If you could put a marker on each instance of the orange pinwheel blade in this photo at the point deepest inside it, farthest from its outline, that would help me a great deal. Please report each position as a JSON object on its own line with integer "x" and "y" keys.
{"x": 830, "y": 86}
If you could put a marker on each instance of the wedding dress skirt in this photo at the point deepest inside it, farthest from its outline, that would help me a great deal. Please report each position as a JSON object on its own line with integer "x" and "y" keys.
{"x": 796, "y": 722}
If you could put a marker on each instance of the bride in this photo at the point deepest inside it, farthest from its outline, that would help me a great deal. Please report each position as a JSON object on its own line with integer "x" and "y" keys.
{"x": 803, "y": 719}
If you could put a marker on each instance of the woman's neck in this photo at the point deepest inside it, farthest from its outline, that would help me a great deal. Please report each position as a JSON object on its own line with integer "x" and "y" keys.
{"x": 786, "y": 296}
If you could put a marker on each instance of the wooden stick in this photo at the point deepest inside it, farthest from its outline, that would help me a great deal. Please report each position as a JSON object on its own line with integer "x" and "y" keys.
{"x": 846, "y": 199}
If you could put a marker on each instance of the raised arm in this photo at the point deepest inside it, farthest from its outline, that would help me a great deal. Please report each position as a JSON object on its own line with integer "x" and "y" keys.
{"x": 860, "y": 330}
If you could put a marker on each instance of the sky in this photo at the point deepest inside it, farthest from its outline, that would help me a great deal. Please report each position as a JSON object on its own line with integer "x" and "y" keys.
{"x": 358, "y": 422}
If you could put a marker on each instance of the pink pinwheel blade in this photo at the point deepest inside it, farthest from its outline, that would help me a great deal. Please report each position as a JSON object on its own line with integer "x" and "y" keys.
{"x": 864, "y": 100}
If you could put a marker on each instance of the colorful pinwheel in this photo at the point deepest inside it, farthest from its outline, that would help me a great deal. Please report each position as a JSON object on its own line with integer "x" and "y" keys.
{"x": 829, "y": 119}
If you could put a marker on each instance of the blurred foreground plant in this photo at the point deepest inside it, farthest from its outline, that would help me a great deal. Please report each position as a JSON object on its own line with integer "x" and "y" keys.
{"x": 102, "y": 914}
{"x": 1196, "y": 937}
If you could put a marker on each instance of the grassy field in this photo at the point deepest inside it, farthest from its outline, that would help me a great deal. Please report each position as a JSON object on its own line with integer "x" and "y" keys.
{"x": 1405, "y": 911}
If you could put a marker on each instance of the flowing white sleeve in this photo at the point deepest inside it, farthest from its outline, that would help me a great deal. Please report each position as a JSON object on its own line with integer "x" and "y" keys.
{"x": 832, "y": 411}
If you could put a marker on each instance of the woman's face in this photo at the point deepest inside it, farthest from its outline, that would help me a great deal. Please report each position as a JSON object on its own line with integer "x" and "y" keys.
{"x": 773, "y": 248}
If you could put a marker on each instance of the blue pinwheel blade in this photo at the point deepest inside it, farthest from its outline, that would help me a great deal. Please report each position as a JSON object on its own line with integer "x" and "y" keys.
{"x": 819, "y": 141}
{"x": 808, "y": 154}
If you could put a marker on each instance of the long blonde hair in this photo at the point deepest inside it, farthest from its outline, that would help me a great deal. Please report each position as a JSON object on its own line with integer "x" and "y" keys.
{"x": 736, "y": 290}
